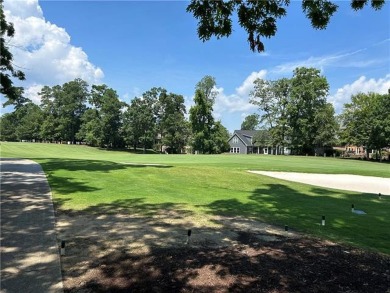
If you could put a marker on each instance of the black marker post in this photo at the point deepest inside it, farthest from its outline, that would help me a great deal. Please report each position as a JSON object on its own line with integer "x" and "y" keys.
{"x": 62, "y": 250}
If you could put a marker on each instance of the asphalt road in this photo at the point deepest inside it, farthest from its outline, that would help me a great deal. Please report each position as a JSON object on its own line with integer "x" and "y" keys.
{"x": 30, "y": 259}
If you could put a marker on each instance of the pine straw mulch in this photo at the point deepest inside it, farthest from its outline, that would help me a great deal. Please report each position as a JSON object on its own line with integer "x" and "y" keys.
{"x": 250, "y": 265}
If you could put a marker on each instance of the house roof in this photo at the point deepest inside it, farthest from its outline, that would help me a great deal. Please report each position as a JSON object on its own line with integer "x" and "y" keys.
{"x": 245, "y": 136}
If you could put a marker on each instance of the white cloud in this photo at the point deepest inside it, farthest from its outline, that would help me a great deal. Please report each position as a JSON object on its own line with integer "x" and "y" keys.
{"x": 188, "y": 103}
{"x": 247, "y": 86}
{"x": 382, "y": 42}
{"x": 361, "y": 58}
{"x": 32, "y": 92}
{"x": 236, "y": 102}
{"x": 323, "y": 61}
{"x": 43, "y": 50}
{"x": 231, "y": 103}
{"x": 246, "y": 114}
{"x": 24, "y": 8}
{"x": 361, "y": 85}
{"x": 129, "y": 96}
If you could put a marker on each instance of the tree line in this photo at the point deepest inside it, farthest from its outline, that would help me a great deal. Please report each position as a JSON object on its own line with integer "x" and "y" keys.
{"x": 76, "y": 113}
{"x": 295, "y": 114}
{"x": 365, "y": 121}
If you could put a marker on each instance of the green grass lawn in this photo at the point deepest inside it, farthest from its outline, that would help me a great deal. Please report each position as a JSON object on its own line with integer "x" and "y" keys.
{"x": 93, "y": 180}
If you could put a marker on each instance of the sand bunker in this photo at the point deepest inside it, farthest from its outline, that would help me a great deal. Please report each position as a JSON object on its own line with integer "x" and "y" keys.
{"x": 365, "y": 184}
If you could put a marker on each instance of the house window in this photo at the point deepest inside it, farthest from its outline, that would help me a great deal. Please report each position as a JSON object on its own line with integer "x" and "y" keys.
{"x": 235, "y": 139}
{"x": 235, "y": 150}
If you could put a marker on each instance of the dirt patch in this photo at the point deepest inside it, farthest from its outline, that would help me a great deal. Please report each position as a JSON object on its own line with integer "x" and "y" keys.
{"x": 124, "y": 252}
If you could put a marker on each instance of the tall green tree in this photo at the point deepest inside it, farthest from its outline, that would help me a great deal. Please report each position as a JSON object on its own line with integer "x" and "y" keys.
{"x": 71, "y": 105}
{"x": 272, "y": 98}
{"x": 7, "y": 71}
{"x": 172, "y": 122}
{"x": 108, "y": 106}
{"x": 24, "y": 123}
{"x": 263, "y": 138}
{"x": 8, "y": 124}
{"x": 328, "y": 127}
{"x": 295, "y": 112}
{"x": 309, "y": 90}
{"x": 251, "y": 122}
{"x": 201, "y": 116}
{"x": 207, "y": 86}
{"x": 140, "y": 123}
{"x": 380, "y": 135}
{"x": 91, "y": 128}
{"x": 220, "y": 136}
{"x": 63, "y": 106}
{"x": 366, "y": 121}
{"x": 30, "y": 121}
{"x": 155, "y": 96}
{"x": 50, "y": 125}
{"x": 259, "y": 18}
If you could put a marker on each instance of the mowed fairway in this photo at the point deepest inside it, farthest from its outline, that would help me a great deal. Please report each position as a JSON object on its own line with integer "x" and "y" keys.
{"x": 93, "y": 180}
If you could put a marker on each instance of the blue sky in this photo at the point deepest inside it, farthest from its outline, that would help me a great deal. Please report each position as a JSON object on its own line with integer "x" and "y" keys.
{"x": 132, "y": 46}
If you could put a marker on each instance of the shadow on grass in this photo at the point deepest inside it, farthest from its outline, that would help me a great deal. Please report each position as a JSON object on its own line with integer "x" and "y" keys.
{"x": 281, "y": 205}
{"x": 137, "y": 206}
{"x": 71, "y": 184}
{"x": 130, "y": 150}
{"x": 133, "y": 246}
{"x": 51, "y": 165}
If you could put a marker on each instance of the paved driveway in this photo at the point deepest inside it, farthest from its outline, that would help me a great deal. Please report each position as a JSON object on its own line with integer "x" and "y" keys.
{"x": 29, "y": 253}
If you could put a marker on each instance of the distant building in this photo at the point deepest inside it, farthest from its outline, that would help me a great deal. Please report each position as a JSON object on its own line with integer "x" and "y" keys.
{"x": 244, "y": 142}
{"x": 355, "y": 150}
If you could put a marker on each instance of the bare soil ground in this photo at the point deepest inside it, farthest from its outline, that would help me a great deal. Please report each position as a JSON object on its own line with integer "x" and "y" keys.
{"x": 121, "y": 252}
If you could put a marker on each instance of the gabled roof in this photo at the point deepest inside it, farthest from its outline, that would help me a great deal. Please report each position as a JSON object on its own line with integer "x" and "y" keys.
{"x": 249, "y": 133}
{"x": 246, "y": 136}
